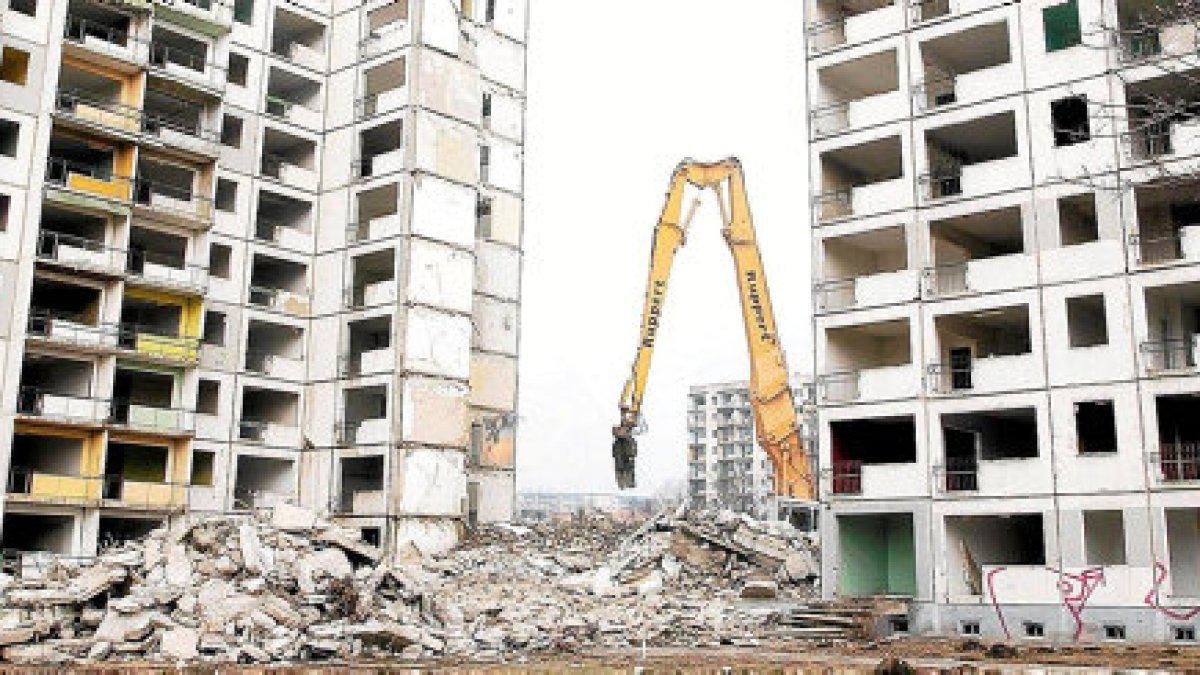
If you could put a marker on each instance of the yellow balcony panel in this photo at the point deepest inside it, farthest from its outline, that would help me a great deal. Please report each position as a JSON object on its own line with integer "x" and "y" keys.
{"x": 154, "y": 495}
{"x": 169, "y": 348}
{"x": 108, "y": 118}
{"x": 109, "y": 189}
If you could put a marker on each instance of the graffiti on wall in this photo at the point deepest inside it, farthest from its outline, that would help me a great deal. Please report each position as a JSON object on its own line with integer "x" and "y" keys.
{"x": 1076, "y": 589}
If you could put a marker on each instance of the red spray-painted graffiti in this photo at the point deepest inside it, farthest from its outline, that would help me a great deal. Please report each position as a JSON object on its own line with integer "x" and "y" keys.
{"x": 1076, "y": 590}
{"x": 1151, "y": 599}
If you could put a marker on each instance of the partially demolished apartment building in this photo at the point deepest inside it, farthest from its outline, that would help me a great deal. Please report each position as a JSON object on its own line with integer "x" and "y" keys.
{"x": 258, "y": 251}
{"x": 1007, "y": 294}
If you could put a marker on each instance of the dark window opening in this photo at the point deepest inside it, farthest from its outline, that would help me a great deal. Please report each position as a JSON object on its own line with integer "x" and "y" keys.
{"x": 10, "y": 134}
{"x": 14, "y": 66}
{"x": 231, "y": 131}
{"x": 203, "y": 463}
{"x": 239, "y": 69}
{"x": 483, "y": 218}
{"x": 1087, "y": 322}
{"x": 969, "y": 628}
{"x": 1035, "y": 629}
{"x": 1069, "y": 117}
{"x": 214, "y": 328}
{"x": 1114, "y": 632}
{"x": 243, "y": 11}
{"x": 226, "y": 195}
{"x": 1184, "y": 633}
{"x": 1061, "y": 24}
{"x": 1077, "y": 222}
{"x": 1095, "y": 427}
{"x": 5, "y": 205}
{"x": 26, "y": 7}
{"x": 219, "y": 257}
{"x": 208, "y": 397}
{"x": 489, "y": 12}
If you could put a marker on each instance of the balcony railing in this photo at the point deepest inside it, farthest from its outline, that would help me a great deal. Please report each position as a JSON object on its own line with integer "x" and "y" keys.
{"x": 69, "y": 249}
{"x": 95, "y": 179}
{"x": 1178, "y": 462}
{"x": 171, "y": 199}
{"x": 840, "y": 387}
{"x": 70, "y": 330}
{"x": 846, "y": 477}
{"x": 88, "y": 108}
{"x": 166, "y": 419}
{"x": 170, "y": 128}
{"x": 163, "y": 55}
{"x": 944, "y": 280}
{"x": 1151, "y": 140}
{"x": 141, "y": 341}
{"x": 1162, "y": 247}
{"x": 835, "y": 295}
{"x": 1137, "y": 44}
{"x": 144, "y": 494}
{"x": 942, "y": 182}
{"x": 1169, "y": 354}
{"x": 55, "y": 487}
{"x": 79, "y": 29}
{"x": 279, "y": 299}
{"x": 159, "y": 269}
{"x": 38, "y": 402}
{"x": 961, "y": 474}
{"x": 832, "y": 204}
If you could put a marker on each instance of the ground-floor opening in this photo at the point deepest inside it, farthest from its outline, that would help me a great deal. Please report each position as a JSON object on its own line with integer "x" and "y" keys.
{"x": 28, "y": 532}
{"x": 116, "y": 530}
{"x": 263, "y": 481}
{"x": 876, "y": 554}
{"x": 1183, "y": 547}
{"x": 973, "y": 542}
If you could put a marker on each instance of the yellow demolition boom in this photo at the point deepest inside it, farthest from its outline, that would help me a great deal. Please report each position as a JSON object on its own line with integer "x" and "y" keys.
{"x": 770, "y": 393}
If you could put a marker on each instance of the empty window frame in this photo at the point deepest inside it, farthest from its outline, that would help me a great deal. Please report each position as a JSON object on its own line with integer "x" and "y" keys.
{"x": 10, "y": 136}
{"x": 1069, "y": 120}
{"x": 1087, "y": 321}
{"x": 239, "y": 69}
{"x": 208, "y": 397}
{"x": 14, "y": 66}
{"x": 231, "y": 131}
{"x": 1095, "y": 427}
{"x": 219, "y": 259}
{"x": 214, "y": 328}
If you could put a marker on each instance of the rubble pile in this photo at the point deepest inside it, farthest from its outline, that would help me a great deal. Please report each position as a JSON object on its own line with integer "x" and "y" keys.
{"x": 287, "y": 586}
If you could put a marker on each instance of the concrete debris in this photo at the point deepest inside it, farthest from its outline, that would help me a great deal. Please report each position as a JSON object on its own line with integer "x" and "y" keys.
{"x": 291, "y": 587}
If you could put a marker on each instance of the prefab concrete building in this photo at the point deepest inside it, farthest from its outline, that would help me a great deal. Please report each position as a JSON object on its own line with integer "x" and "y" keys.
{"x": 258, "y": 251}
{"x": 1005, "y": 285}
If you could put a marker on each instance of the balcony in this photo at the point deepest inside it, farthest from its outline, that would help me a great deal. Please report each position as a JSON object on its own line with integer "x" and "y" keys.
{"x": 1172, "y": 343}
{"x": 369, "y": 350}
{"x": 183, "y": 59}
{"x": 289, "y": 159}
{"x": 871, "y": 361}
{"x": 275, "y": 350}
{"x": 26, "y": 484}
{"x": 37, "y": 402}
{"x": 88, "y": 108}
{"x": 973, "y": 158}
{"x": 381, "y": 150}
{"x": 1168, "y": 223}
{"x": 75, "y": 252}
{"x": 1176, "y": 464}
{"x": 1177, "y": 459}
{"x": 180, "y": 123}
{"x": 361, "y": 486}
{"x": 867, "y": 269}
{"x": 98, "y": 30}
{"x": 146, "y": 400}
{"x": 978, "y": 253}
{"x": 52, "y": 469}
{"x": 373, "y": 281}
{"x": 73, "y": 332}
{"x": 968, "y": 66}
{"x": 1148, "y": 30}
{"x": 874, "y": 457}
{"x": 378, "y": 215}
{"x": 986, "y": 350}
{"x": 388, "y": 30}
{"x": 385, "y": 89}
{"x": 294, "y": 99}
{"x": 299, "y": 40}
{"x": 858, "y": 93}
{"x": 989, "y": 451}
{"x": 280, "y": 285}
{"x": 146, "y": 418}
{"x": 365, "y": 416}
{"x": 284, "y": 221}
{"x": 862, "y": 179}
{"x": 159, "y": 260}
{"x": 263, "y": 482}
{"x": 137, "y": 476}
{"x": 211, "y": 17}
{"x": 270, "y": 417}
{"x": 91, "y": 178}
{"x": 843, "y": 22}
{"x": 170, "y": 190}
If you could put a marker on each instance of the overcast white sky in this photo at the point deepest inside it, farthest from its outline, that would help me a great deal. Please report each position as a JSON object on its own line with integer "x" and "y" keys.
{"x": 619, "y": 92}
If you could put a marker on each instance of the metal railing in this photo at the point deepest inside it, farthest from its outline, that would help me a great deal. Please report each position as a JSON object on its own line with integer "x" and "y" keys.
{"x": 52, "y": 246}
{"x": 153, "y": 124}
{"x": 78, "y": 29}
{"x": 146, "y": 188}
{"x": 1152, "y": 140}
{"x": 165, "y": 269}
{"x": 162, "y": 55}
{"x": 1168, "y": 354}
{"x": 945, "y": 279}
{"x": 846, "y": 477}
{"x": 1139, "y": 43}
{"x": 67, "y": 101}
{"x": 66, "y": 329}
{"x": 942, "y": 182}
{"x": 59, "y": 171}
{"x": 835, "y": 294}
{"x": 141, "y": 341}
{"x": 961, "y": 474}
{"x": 840, "y": 386}
{"x": 1178, "y": 462}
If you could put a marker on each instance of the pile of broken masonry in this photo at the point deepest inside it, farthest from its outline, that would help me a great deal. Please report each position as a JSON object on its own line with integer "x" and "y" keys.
{"x": 286, "y": 586}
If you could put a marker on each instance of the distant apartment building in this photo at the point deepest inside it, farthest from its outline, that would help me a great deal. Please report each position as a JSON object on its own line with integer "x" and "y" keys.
{"x": 1007, "y": 294}
{"x": 258, "y": 251}
{"x": 726, "y": 467}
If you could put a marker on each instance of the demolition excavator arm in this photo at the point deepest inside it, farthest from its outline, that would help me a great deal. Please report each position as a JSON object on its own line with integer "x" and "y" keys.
{"x": 770, "y": 392}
